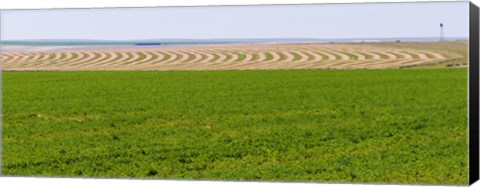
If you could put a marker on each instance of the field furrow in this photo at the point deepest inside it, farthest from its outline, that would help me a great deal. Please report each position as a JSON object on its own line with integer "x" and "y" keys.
{"x": 230, "y": 57}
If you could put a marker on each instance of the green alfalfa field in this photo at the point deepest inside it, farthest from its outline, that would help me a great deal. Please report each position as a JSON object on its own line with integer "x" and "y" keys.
{"x": 356, "y": 126}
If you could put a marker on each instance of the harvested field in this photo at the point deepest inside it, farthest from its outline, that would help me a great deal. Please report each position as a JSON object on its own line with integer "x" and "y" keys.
{"x": 239, "y": 57}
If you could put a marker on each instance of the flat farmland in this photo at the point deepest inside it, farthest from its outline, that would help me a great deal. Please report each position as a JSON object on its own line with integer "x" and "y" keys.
{"x": 239, "y": 56}
{"x": 388, "y": 125}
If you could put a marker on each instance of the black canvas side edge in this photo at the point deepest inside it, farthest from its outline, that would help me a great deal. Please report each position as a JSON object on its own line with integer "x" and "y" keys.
{"x": 473, "y": 95}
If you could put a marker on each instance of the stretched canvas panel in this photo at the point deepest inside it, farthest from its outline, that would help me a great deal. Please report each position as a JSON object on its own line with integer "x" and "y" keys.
{"x": 344, "y": 93}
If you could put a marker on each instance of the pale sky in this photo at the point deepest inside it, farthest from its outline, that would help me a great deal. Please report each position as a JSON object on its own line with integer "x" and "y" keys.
{"x": 368, "y": 20}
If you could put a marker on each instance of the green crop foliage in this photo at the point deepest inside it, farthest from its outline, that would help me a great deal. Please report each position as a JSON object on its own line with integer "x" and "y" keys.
{"x": 337, "y": 56}
{"x": 282, "y": 57}
{"x": 383, "y": 56}
{"x": 166, "y": 56}
{"x": 129, "y": 57}
{"x": 190, "y": 58}
{"x": 296, "y": 56}
{"x": 367, "y": 56}
{"x": 350, "y": 55}
{"x": 268, "y": 56}
{"x": 241, "y": 57}
{"x": 414, "y": 55}
{"x": 360, "y": 126}
{"x": 324, "y": 57}
{"x": 229, "y": 56}
{"x": 97, "y": 56}
{"x": 177, "y": 58}
{"x": 216, "y": 56}
{"x": 117, "y": 57}
{"x": 398, "y": 56}
{"x": 310, "y": 57}
{"x": 141, "y": 56}
{"x": 153, "y": 59}
{"x": 255, "y": 56}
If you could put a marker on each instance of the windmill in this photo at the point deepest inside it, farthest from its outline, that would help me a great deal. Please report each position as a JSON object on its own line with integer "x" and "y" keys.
{"x": 442, "y": 37}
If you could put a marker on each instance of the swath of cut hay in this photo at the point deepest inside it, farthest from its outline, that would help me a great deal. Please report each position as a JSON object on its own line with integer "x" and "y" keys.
{"x": 229, "y": 57}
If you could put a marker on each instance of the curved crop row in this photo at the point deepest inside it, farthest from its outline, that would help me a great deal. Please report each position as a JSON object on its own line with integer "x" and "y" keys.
{"x": 230, "y": 57}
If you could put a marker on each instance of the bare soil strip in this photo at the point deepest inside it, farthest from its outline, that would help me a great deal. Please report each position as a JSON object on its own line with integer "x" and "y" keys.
{"x": 53, "y": 59}
{"x": 101, "y": 58}
{"x": 90, "y": 56}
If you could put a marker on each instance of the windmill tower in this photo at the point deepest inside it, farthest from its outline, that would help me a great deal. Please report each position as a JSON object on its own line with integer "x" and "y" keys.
{"x": 442, "y": 37}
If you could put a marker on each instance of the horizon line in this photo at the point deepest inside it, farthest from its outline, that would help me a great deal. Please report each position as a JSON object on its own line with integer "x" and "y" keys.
{"x": 254, "y": 38}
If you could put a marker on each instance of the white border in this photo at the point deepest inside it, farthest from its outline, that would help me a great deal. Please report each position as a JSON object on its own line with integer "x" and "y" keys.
{"x": 74, "y": 182}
